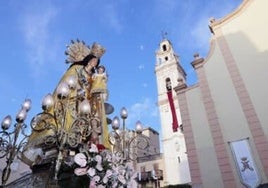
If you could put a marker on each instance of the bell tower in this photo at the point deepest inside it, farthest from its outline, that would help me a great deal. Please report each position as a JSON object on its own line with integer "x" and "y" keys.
{"x": 168, "y": 72}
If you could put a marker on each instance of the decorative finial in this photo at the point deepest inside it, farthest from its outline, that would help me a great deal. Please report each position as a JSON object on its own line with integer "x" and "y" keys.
{"x": 196, "y": 56}
{"x": 212, "y": 20}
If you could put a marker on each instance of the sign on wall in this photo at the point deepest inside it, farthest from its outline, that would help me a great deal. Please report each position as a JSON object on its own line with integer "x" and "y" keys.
{"x": 246, "y": 166}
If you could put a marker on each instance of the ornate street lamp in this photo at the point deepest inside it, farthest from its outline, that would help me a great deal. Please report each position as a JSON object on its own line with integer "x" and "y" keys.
{"x": 12, "y": 143}
{"x": 64, "y": 135}
{"x": 124, "y": 142}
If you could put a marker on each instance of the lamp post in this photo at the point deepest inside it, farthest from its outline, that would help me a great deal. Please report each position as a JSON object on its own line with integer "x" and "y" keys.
{"x": 64, "y": 134}
{"x": 125, "y": 142}
{"x": 57, "y": 138}
{"x": 11, "y": 143}
{"x": 124, "y": 115}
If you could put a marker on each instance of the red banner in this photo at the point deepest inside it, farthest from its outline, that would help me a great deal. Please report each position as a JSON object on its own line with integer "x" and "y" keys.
{"x": 173, "y": 111}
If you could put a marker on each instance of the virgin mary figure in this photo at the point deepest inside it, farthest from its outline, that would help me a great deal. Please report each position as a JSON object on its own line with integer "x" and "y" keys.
{"x": 72, "y": 115}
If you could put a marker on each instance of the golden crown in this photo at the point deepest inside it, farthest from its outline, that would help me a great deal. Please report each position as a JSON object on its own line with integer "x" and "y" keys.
{"x": 97, "y": 50}
{"x": 78, "y": 50}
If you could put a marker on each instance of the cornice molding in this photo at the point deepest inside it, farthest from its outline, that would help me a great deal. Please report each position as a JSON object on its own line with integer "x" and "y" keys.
{"x": 214, "y": 24}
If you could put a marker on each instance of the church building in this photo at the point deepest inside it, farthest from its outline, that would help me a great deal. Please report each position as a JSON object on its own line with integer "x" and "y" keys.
{"x": 215, "y": 132}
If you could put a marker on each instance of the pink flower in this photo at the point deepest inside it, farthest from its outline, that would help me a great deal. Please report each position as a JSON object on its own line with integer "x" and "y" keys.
{"x": 93, "y": 182}
{"x": 80, "y": 171}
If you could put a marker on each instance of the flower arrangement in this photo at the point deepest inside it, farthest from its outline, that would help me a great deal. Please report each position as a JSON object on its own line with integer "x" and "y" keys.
{"x": 104, "y": 168}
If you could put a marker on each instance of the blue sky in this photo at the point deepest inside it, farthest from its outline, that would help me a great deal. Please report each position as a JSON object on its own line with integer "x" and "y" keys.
{"x": 34, "y": 35}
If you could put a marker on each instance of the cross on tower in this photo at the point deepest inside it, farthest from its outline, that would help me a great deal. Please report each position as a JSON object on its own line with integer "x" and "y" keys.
{"x": 164, "y": 34}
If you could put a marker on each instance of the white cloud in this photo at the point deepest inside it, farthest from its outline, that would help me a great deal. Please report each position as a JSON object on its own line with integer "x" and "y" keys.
{"x": 143, "y": 111}
{"x": 110, "y": 16}
{"x": 35, "y": 27}
{"x": 200, "y": 33}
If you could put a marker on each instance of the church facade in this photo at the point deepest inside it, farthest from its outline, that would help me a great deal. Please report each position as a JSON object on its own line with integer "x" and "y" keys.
{"x": 224, "y": 142}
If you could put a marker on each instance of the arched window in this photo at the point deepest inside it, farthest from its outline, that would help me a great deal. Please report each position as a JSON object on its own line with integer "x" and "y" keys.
{"x": 164, "y": 47}
{"x": 168, "y": 84}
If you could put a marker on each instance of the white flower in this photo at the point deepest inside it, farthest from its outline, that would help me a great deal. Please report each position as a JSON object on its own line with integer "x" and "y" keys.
{"x": 121, "y": 169}
{"x": 129, "y": 165}
{"x": 116, "y": 172}
{"x": 115, "y": 184}
{"x": 93, "y": 148}
{"x": 80, "y": 159}
{"x": 132, "y": 184}
{"x": 116, "y": 158}
{"x": 96, "y": 178}
{"x": 93, "y": 181}
{"x": 108, "y": 174}
{"x": 98, "y": 158}
{"x": 91, "y": 172}
{"x": 122, "y": 179}
{"x": 108, "y": 156}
